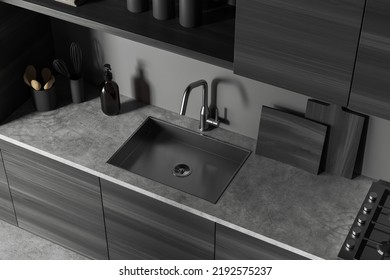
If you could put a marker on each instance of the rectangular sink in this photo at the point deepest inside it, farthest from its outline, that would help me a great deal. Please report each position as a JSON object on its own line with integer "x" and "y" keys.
{"x": 180, "y": 158}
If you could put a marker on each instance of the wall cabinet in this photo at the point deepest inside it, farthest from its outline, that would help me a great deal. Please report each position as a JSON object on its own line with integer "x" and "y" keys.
{"x": 370, "y": 92}
{"x": 6, "y": 206}
{"x": 140, "y": 227}
{"x": 57, "y": 202}
{"x": 307, "y": 46}
{"x": 234, "y": 245}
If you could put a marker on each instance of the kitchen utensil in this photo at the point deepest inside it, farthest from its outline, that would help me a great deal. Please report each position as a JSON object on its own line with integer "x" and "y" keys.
{"x": 49, "y": 83}
{"x": 46, "y": 74}
{"x": 291, "y": 139}
{"x": 30, "y": 73}
{"x": 76, "y": 57}
{"x": 345, "y": 134}
{"x": 60, "y": 66}
{"x": 36, "y": 85}
{"x": 25, "y": 79}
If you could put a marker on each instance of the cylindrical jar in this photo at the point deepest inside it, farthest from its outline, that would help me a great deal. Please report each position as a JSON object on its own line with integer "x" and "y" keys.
{"x": 163, "y": 9}
{"x": 137, "y": 6}
{"x": 45, "y": 100}
{"x": 190, "y": 13}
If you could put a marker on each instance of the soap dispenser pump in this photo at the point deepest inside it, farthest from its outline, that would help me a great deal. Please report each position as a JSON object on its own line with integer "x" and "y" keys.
{"x": 109, "y": 95}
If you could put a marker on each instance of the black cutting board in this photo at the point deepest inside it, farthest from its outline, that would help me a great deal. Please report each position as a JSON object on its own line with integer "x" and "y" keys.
{"x": 345, "y": 134}
{"x": 291, "y": 139}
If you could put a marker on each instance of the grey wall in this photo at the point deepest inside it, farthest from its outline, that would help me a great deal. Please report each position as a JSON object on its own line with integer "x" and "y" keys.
{"x": 168, "y": 75}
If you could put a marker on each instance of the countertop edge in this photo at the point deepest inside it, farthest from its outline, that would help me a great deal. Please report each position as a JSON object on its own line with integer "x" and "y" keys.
{"x": 161, "y": 198}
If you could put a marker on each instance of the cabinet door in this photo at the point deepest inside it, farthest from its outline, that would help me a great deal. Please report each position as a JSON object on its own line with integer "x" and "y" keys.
{"x": 6, "y": 206}
{"x": 370, "y": 92}
{"x": 140, "y": 227}
{"x": 233, "y": 245}
{"x": 57, "y": 202}
{"x": 307, "y": 46}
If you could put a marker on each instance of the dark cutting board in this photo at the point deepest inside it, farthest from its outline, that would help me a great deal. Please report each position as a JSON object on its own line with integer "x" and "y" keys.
{"x": 291, "y": 139}
{"x": 345, "y": 133}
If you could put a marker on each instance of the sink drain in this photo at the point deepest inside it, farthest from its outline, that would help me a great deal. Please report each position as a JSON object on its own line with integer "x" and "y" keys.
{"x": 181, "y": 170}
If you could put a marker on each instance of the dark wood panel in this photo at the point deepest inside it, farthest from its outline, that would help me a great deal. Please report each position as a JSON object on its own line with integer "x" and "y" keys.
{"x": 344, "y": 136}
{"x": 6, "y": 206}
{"x": 27, "y": 39}
{"x": 234, "y": 245}
{"x": 58, "y": 202}
{"x": 212, "y": 42}
{"x": 140, "y": 227}
{"x": 291, "y": 139}
{"x": 370, "y": 92}
{"x": 307, "y": 46}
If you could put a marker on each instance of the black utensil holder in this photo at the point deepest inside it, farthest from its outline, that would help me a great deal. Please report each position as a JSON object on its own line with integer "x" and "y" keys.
{"x": 77, "y": 90}
{"x": 45, "y": 100}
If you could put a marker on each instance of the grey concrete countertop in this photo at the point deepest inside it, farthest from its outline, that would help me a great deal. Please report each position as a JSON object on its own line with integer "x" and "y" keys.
{"x": 275, "y": 202}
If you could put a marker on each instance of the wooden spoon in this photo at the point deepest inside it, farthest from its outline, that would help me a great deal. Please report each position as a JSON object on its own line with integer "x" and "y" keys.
{"x": 25, "y": 79}
{"x": 46, "y": 74}
{"x": 36, "y": 85}
{"x": 49, "y": 83}
{"x": 30, "y": 73}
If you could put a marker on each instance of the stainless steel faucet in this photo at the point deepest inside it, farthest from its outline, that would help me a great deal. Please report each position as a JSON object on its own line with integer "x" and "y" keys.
{"x": 204, "y": 120}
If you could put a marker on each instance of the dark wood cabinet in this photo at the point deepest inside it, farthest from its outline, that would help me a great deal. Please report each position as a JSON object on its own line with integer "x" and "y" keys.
{"x": 307, "y": 46}
{"x": 234, "y": 245}
{"x": 140, "y": 227}
{"x": 56, "y": 201}
{"x": 370, "y": 92}
{"x": 7, "y": 212}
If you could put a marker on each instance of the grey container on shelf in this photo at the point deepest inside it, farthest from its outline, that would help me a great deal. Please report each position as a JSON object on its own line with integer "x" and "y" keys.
{"x": 190, "y": 13}
{"x": 164, "y": 9}
{"x": 137, "y": 6}
{"x": 77, "y": 90}
{"x": 45, "y": 100}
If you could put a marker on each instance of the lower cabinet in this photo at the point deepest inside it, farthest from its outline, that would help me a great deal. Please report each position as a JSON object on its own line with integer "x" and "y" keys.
{"x": 57, "y": 202}
{"x": 6, "y": 206}
{"x": 140, "y": 227}
{"x": 234, "y": 245}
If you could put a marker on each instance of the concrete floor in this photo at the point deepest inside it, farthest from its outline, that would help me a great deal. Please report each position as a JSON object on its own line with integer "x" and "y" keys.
{"x": 18, "y": 244}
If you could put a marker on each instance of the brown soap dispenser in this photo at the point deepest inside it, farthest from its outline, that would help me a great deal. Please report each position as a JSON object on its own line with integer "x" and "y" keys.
{"x": 109, "y": 95}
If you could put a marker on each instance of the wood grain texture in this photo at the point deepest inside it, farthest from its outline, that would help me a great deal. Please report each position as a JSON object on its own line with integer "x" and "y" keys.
{"x": 291, "y": 139}
{"x": 345, "y": 133}
{"x": 21, "y": 46}
{"x": 371, "y": 81}
{"x": 7, "y": 212}
{"x": 140, "y": 227}
{"x": 307, "y": 46}
{"x": 57, "y": 202}
{"x": 213, "y": 42}
{"x": 234, "y": 245}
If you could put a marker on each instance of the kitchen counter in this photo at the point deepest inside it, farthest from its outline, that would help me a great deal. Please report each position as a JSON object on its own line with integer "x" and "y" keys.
{"x": 272, "y": 201}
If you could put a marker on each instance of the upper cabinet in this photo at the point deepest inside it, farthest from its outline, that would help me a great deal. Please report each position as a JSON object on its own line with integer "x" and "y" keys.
{"x": 212, "y": 42}
{"x": 370, "y": 92}
{"x": 307, "y": 46}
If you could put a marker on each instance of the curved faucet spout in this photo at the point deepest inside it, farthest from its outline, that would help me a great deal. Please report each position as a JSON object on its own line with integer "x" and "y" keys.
{"x": 204, "y": 111}
{"x": 187, "y": 92}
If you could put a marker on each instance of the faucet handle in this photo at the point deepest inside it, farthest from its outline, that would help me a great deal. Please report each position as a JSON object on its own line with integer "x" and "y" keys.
{"x": 215, "y": 121}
